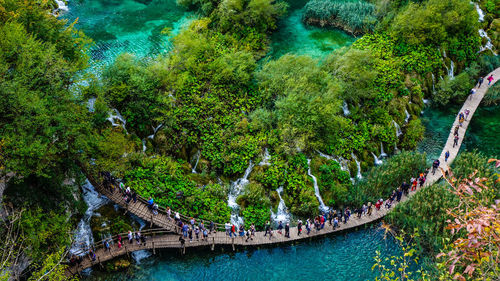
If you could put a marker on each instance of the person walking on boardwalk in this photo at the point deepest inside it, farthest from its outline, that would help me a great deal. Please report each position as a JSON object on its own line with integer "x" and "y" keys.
{"x": 369, "y": 209}
{"x": 287, "y": 230}
{"x": 197, "y": 233}
{"x": 347, "y": 214}
{"x": 143, "y": 240}
{"x": 248, "y": 235}
{"x": 435, "y": 165}
{"x": 130, "y": 237}
{"x": 185, "y": 230}
{"x": 455, "y": 132}
{"x": 446, "y": 155}
{"x": 335, "y": 222}
{"x": 106, "y": 244}
{"x": 299, "y": 227}
{"x": 480, "y": 82}
{"x": 472, "y": 92}
{"x": 241, "y": 230}
{"x": 455, "y": 141}
{"x": 490, "y": 79}
{"x": 280, "y": 227}
{"x": 467, "y": 112}
{"x": 308, "y": 226}
{"x": 233, "y": 230}
{"x": 137, "y": 237}
{"x": 211, "y": 227}
{"x": 190, "y": 234}
{"x": 227, "y": 226}
{"x": 268, "y": 226}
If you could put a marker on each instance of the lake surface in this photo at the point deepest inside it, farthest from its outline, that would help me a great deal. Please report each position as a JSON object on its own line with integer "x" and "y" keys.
{"x": 340, "y": 257}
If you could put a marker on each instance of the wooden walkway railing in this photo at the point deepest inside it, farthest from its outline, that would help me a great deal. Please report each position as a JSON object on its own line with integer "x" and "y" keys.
{"x": 167, "y": 236}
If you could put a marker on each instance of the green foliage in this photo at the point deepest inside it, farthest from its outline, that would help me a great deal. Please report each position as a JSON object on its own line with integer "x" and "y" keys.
{"x": 414, "y": 133}
{"x": 382, "y": 180}
{"x": 356, "y": 17}
{"x": 131, "y": 87}
{"x": 304, "y": 121}
{"x": 333, "y": 183}
{"x": 255, "y": 204}
{"x": 162, "y": 178}
{"x": 453, "y": 89}
{"x": 399, "y": 268}
{"x": 426, "y": 212}
{"x": 435, "y": 22}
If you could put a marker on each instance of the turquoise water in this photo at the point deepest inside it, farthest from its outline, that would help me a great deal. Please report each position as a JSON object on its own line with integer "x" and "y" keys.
{"x": 119, "y": 26}
{"x": 134, "y": 26}
{"x": 295, "y": 37}
{"x": 342, "y": 257}
{"x": 482, "y": 134}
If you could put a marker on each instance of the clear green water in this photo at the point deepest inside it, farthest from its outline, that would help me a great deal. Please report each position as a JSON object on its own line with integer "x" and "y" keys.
{"x": 482, "y": 134}
{"x": 295, "y": 37}
{"x": 342, "y": 257}
{"x": 132, "y": 26}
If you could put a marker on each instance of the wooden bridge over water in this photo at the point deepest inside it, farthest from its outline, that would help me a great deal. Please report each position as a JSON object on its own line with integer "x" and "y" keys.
{"x": 167, "y": 236}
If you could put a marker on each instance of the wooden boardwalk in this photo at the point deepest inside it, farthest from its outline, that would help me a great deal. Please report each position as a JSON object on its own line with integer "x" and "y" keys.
{"x": 167, "y": 237}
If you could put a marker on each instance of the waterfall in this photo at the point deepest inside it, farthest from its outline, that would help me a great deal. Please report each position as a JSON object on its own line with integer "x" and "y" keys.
{"x": 479, "y": 12}
{"x": 281, "y": 214}
{"x": 407, "y": 118}
{"x": 396, "y": 149}
{"x": 316, "y": 188}
{"x": 398, "y": 129}
{"x": 83, "y": 234}
{"x": 489, "y": 45}
{"x": 327, "y": 156}
{"x": 451, "y": 70}
{"x": 115, "y": 115}
{"x": 234, "y": 191}
{"x": 90, "y": 104}
{"x": 155, "y": 130}
{"x": 61, "y": 8}
{"x": 382, "y": 153}
{"x": 265, "y": 160}
{"x": 197, "y": 156}
{"x": 144, "y": 145}
{"x": 358, "y": 165}
{"x": 433, "y": 85}
{"x": 377, "y": 161}
{"x": 345, "y": 108}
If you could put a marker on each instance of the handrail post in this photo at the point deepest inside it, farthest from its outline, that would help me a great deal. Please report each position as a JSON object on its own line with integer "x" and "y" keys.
{"x": 213, "y": 243}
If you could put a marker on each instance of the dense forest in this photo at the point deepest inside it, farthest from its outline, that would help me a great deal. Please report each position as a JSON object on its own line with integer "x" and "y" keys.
{"x": 194, "y": 119}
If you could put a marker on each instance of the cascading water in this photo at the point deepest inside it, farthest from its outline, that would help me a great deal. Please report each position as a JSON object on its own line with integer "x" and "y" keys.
{"x": 488, "y": 45}
{"x": 281, "y": 214}
{"x": 358, "y": 165}
{"x": 144, "y": 145}
{"x": 197, "y": 156}
{"x": 90, "y": 104}
{"x": 155, "y": 130}
{"x": 61, "y": 7}
{"x": 345, "y": 108}
{"x": 344, "y": 165}
{"x": 398, "y": 129}
{"x": 235, "y": 190}
{"x": 377, "y": 161}
{"x": 407, "y": 118}
{"x": 322, "y": 205}
{"x": 479, "y": 12}
{"x": 451, "y": 70}
{"x": 83, "y": 236}
{"x": 433, "y": 85}
{"x": 266, "y": 158}
{"x": 115, "y": 115}
{"x": 382, "y": 152}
